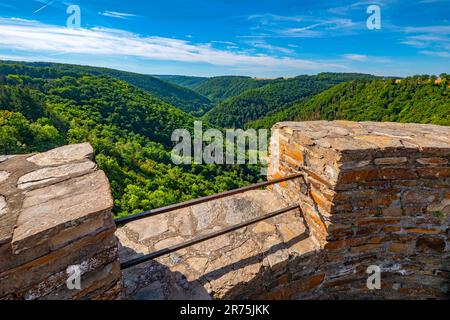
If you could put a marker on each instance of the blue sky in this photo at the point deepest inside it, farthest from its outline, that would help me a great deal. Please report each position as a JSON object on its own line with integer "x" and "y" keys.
{"x": 243, "y": 37}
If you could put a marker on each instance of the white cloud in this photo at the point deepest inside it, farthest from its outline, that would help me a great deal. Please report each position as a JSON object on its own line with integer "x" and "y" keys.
{"x": 268, "y": 17}
{"x": 264, "y": 45}
{"x": 429, "y": 29}
{"x": 31, "y": 36}
{"x": 441, "y": 54}
{"x": 355, "y": 57}
{"x": 270, "y": 25}
{"x": 433, "y": 40}
{"x": 119, "y": 15}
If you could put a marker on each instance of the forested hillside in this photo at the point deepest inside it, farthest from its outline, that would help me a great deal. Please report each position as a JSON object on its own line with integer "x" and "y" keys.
{"x": 218, "y": 89}
{"x": 180, "y": 97}
{"x": 184, "y": 81}
{"x": 129, "y": 129}
{"x": 43, "y": 106}
{"x": 420, "y": 99}
{"x": 255, "y": 103}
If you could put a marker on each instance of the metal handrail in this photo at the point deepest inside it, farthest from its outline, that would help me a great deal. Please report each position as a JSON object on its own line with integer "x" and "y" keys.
{"x": 192, "y": 202}
{"x": 176, "y": 247}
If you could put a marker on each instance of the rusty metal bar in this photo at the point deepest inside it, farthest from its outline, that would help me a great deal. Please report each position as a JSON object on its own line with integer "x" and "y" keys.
{"x": 189, "y": 203}
{"x": 176, "y": 247}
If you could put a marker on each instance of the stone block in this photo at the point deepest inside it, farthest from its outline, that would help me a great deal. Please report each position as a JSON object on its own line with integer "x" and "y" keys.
{"x": 56, "y": 213}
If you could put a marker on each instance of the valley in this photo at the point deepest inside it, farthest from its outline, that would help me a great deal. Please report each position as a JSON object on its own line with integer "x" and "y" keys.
{"x": 129, "y": 118}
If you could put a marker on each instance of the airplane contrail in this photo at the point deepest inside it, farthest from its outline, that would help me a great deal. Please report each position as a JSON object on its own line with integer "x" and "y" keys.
{"x": 44, "y": 6}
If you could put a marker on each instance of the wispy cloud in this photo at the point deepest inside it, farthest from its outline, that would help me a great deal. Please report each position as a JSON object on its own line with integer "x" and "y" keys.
{"x": 31, "y": 36}
{"x": 359, "y": 5}
{"x": 356, "y": 57}
{"x": 268, "y": 18}
{"x": 442, "y": 54}
{"x": 429, "y": 29}
{"x": 433, "y": 40}
{"x": 264, "y": 45}
{"x": 8, "y": 6}
{"x": 270, "y": 25}
{"x": 118, "y": 15}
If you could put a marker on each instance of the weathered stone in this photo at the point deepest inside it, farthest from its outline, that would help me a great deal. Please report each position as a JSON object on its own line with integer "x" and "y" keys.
{"x": 419, "y": 196}
{"x": 70, "y": 153}
{"x": 434, "y": 161}
{"x": 240, "y": 209}
{"x": 429, "y": 243}
{"x": 381, "y": 141}
{"x": 391, "y": 189}
{"x": 355, "y": 164}
{"x": 49, "y": 210}
{"x": 3, "y": 205}
{"x": 367, "y": 174}
{"x": 129, "y": 249}
{"x": 389, "y": 173}
{"x": 168, "y": 242}
{"x": 148, "y": 228}
{"x": 264, "y": 227}
{"x": 348, "y": 144}
{"x": 440, "y": 206}
{"x": 197, "y": 263}
{"x": 278, "y": 259}
{"x": 67, "y": 223}
{"x": 4, "y": 175}
{"x": 4, "y": 158}
{"x": 390, "y": 160}
{"x": 434, "y": 172}
{"x": 205, "y": 214}
{"x": 321, "y": 201}
{"x": 215, "y": 244}
{"x": 182, "y": 222}
{"x": 423, "y": 230}
{"x": 44, "y": 175}
{"x": 401, "y": 248}
{"x": 331, "y": 172}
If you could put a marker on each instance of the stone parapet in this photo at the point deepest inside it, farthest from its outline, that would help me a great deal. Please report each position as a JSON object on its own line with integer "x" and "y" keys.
{"x": 372, "y": 194}
{"x": 234, "y": 265}
{"x": 55, "y": 212}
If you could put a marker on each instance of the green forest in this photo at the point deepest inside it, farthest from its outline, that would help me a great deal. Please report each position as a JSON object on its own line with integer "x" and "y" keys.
{"x": 218, "y": 89}
{"x": 129, "y": 118}
{"x": 129, "y": 129}
{"x": 178, "y": 96}
{"x": 252, "y": 104}
{"x": 419, "y": 99}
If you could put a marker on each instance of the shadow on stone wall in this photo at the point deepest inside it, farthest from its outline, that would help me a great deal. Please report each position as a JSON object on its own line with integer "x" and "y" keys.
{"x": 314, "y": 275}
{"x": 155, "y": 281}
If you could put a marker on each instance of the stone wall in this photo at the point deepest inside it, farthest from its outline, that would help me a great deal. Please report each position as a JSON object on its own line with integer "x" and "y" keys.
{"x": 372, "y": 194}
{"x": 55, "y": 212}
{"x": 233, "y": 265}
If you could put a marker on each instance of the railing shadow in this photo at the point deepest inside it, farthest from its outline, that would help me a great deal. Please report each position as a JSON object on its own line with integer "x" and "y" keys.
{"x": 155, "y": 281}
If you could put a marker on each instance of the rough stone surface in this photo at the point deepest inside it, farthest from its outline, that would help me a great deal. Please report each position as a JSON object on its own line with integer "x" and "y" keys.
{"x": 55, "y": 211}
{"x": 385, "y": 203}
{"x": 66, "y": 154}
{"x": 44, "y": 175}
{"x": 3, "y": 205}
{"x": 4, "y": 158}
{"x": 216, "y": 268}
{"x": 4, "y": 175}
